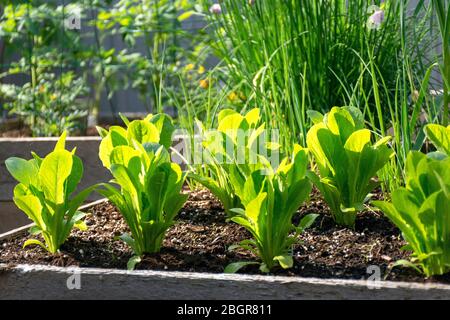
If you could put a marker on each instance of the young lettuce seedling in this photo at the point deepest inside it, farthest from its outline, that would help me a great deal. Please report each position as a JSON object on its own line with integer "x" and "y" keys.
{"x": 347, "y": 161}
{"x": 238, "y": 143}
{"x": 45, "y": 191}
{"x": 421, "y": 210}
{"x": 150, "y": 184}
{"x": 270, "y": 200}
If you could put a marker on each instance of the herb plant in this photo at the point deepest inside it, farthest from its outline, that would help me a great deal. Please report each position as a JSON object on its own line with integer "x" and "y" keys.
{"x": 347, "y": 161}
{"x": 421, "y": 210}
{"x": 270, "y": 200}
{"x": 442, "y": 9}
{"x": 150, "y": 184}
{"x": 233, "y": 147}
{"x": 45, "y": 194}
{"x": 318, "y": 56}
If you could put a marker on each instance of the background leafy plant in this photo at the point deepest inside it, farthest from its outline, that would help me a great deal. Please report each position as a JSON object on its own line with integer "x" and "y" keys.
{"x": 50, "y": 106}
{"x": 45, "y": 193}
{"x": 36, "y": 32}
{"x": 168, "y": 47}
{"x": 47, "y": 54}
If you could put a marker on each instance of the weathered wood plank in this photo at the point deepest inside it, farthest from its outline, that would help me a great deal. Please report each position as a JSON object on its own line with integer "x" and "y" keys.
{"x": 43, "y": 282}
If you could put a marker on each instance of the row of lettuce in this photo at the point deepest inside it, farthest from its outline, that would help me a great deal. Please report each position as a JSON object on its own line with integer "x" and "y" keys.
{"x": 341, "y": 159}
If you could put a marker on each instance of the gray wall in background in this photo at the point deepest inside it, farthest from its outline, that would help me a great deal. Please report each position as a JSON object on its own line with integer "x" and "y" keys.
{"x": 129, "y": 100}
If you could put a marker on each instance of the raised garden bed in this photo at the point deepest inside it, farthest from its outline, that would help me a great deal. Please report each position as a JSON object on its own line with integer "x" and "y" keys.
{"x": 330, "y": 262}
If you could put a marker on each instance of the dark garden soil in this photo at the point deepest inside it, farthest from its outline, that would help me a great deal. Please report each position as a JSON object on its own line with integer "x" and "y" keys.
{"x": 199, "y": 240}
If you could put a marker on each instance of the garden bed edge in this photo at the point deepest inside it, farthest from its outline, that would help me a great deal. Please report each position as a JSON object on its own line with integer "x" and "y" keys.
{"x": 25, "y": 281}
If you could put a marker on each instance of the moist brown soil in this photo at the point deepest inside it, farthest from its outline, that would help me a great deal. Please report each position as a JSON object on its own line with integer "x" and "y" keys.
{"x": 199, "y": 242}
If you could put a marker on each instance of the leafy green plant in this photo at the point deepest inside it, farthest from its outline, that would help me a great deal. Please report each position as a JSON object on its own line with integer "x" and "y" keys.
{"x": 150, "y": 184}
{"x": 38, "y": 33}
{"x": 50, "y": 106}
{"x": 440, "y": 137}
{"x": 232, "y": 148}
{"x": 347, "y": 161}
{"x": 270, "y": 200}
{"x": 158, "y": 24}
{"x": 51, "y": 100}
{"x": 45, "y": 194}
{"x": 421, "y": 210}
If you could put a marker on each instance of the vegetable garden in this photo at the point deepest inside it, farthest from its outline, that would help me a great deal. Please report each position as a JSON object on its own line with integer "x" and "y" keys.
{"x": 307, "y": 140}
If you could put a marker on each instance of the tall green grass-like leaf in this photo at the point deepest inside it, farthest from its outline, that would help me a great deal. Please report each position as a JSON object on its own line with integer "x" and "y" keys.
{"x": 150, "y": 184}
{"x": 270, "y": 200}
{"x": 347, "y": 161}
{"x": 45, "y": 193}
{"x": 442, "y": 9}
{"x": 421, "y": 210}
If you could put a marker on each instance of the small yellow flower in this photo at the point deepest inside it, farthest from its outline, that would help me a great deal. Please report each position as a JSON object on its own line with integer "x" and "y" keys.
{"x": 201, "y": 70}
{"x": 53, "y": 97}
{"x": 204, "y": 84}
{"x": 189, "y": 67}
{"x": 233, "y": 97}
{"x": 42, "y": 89}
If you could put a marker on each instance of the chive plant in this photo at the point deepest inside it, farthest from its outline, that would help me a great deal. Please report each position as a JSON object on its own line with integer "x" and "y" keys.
{"x": 442, "y": 9}
{"x": 293, "y": 56}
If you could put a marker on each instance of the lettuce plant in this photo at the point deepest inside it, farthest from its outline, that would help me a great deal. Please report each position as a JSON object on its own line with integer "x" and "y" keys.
{"x": 45, "y": 194}
{"x": 347, "y": 161}
{"x": 440, "y": 137}
{"x": 421, "y": 210}
{"x": 270, "y": 200}
{"x": 240, "y": 145}
{"x": 150, "y": 184}
{"x": 156, "y": 129}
